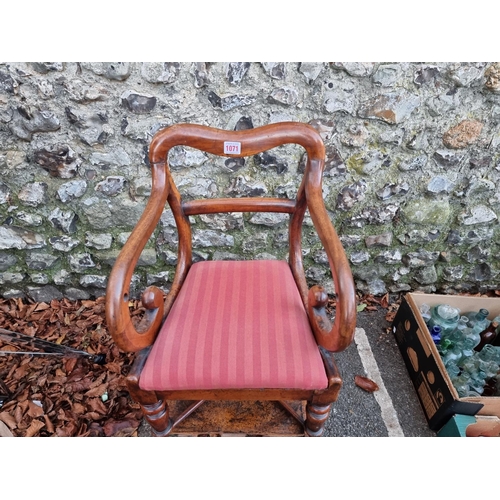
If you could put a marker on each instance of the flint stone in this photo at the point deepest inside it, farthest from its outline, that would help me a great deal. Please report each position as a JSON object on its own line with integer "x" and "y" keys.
{"x": 17, "y": 237}
{"x": 339, "y": 100}
{"x": 478, "y": 235}
{"x": 65, "y": 221}
{"x": 440, "y": 184}
{"x": 39, "y": 278}
{"x": 415, "y": 163}
{"x": 201, "y": 75}
{"x": 267, "y": 160}
{"x": 419, "y": 141}
{"x": 477, "y": 254}
{"x": 223, "y": 222}
{"x": 326, "y": 128}
{"x": 117, "y": 158}
{"x": 392, "y": 108}
{"x": 379, "y": 240}
{"x": 390, "y": 190}
{"x": 4, "y": 193}
{"x": 34, "y": 194}
{"x": 386, "y": 75}
{"x": 355, "y": 136}
{"x": 80, "y": 262}
{"x": 360, "y": 69}
{"x": 7, "y": 278}
{"x": 230, "y": 101}
{"x": 39, "y": 261}
{"x": 480, "y": 214}
{"x": 454, "y": 273}
{"x": 62, "y": 277}
{"x": 72, "y": 190}
{"x": 112, "y": 70}
{"x": 315, "y": 274}
{"x": 160, "y": 278}
{"x": 453, "y": 237}
{"x": 374, "y": 287}
{"x": 311, "y": 70}
{"x": 101, "y": 241}
{"x": 350, "y": 195}
{"x": 7, "y": 83}
{"x": 420, "y": 259}
{"x": 319, "y": 256}
{"x": 98, "y": 213}
{"x": 482, "y": 272}
{"x": 13, "y": 293}
{"x": 374, "y": 216}
{"x": 480, "y": 161}
{"x": 125, "y": 212}
{"x": 46, "y": 67}
{"x": 349, "y": 240}
{"x": 254, "y": 243}
{"x": 197, "y": 187}
{"x": 138, "y": 103}
{"x": 111, "y": 186}
{"x": 234, "y": 164}
{"x": 80, "y": 91}
{"x": 180, "y": 156}
{"x": 284, "y": 95}
{"x": 389, "y": 257}
{"x": 94, "y": 280}
{"x": 368, "y": 162}
{"x": 235, "y": 71}
{"x": 462, "y": 135}
{"x": 76, "y": 294}
{"x": 359, "y": 257}
{"x": 419, "y": 236}
{"x": 269, "y": 219}
{"x": 63, "y": 243}
{"x": 447, "y": 158}
{"x": 426, "y": 275}
{"x": 465, "y": 75}
{"x": 59, "y": 161}
{"x": 276, "y": 70}
{"x": 157, "y": 72}
{"x": 225, "y": 256}
{"x": 426, "y": 74}
{"x": 492, "y": 78}
{"x": 24, "y": 124}
{"x": 203, "y": 238}
{"x": 422, "y": 211}
{"x": 44, "y": 294}
{"x": 6, "y": 260}
{"x": 243, "y": 186}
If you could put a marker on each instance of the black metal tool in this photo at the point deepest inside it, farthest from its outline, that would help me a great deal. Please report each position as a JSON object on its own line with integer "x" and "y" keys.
{"x": 46, "y": 348}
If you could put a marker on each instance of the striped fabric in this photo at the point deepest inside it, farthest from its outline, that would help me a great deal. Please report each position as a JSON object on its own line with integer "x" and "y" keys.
{"x": 236, "y": 325}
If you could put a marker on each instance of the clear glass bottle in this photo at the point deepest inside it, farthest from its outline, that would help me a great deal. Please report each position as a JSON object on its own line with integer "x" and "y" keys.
{"x": 479, "y": 320}
{"x": 445, "y": 316}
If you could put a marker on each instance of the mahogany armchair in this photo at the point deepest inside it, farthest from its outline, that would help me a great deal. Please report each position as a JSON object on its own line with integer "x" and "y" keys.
{"x": 234, "y": 330}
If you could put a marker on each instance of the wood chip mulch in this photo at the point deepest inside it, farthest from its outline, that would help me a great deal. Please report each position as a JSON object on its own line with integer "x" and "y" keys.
{"x": 64, "y": 396}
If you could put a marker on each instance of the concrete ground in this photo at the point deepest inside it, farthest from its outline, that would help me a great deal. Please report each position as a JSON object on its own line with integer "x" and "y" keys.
{"x": 394, "y": 410}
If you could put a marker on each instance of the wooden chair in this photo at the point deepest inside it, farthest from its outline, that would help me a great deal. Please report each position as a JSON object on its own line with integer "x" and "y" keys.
{"x": 234, "y": 330}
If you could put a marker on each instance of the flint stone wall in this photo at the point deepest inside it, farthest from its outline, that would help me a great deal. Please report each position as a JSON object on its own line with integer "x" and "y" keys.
{"x": 411, "y": 177}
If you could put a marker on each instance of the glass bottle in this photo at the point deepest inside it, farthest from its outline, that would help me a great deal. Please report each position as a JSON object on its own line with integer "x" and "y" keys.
{"x": 445, "y": 316}
{"x": 436, "y": 334}
{"x": 479, "y": 320}
{"x": 487, "y": 336}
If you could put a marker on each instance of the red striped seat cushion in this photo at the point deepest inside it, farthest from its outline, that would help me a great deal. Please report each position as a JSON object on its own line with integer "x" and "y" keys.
{"x": 236, "y": 325}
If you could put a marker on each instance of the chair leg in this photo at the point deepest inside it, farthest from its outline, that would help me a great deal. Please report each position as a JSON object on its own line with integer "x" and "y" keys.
{"x": 316, "y": 416}
{"x": 157, "y": 416}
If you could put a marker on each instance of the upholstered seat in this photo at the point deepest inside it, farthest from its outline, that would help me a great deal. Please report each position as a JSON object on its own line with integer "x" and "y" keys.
{"x": 234, "y": 330}
{"x": 223, "y": 332}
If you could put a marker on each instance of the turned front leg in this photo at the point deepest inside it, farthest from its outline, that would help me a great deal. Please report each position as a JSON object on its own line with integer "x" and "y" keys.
{"x": 316, "y": 416}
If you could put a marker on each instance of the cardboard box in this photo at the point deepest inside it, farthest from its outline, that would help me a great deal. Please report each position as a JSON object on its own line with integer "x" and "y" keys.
{"x": 471, "y": 426}
{"x": 438, "y": 397}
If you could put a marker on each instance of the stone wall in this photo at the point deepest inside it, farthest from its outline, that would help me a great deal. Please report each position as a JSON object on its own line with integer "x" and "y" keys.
{"x": 410, "y": 179}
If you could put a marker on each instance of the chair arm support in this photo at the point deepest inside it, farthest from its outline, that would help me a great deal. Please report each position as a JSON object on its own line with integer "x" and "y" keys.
{"x": 338, "y": 336}
{"x": 118, "y": 318}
